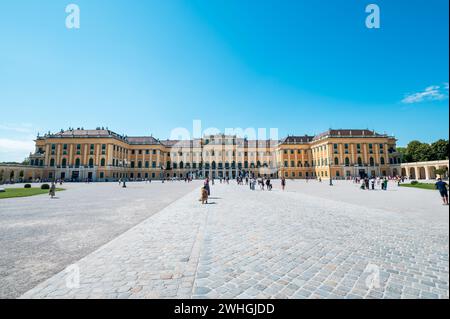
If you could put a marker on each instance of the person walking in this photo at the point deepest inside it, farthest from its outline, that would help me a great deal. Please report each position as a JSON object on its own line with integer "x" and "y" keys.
{"x": 269, "y": 186}
{"x": 52, "y": 191}
{"x": 206, "y": 184}
{"x": 385, "y": 184}
{"x": 283, "y": 183}
{"x": 442, "y": 187}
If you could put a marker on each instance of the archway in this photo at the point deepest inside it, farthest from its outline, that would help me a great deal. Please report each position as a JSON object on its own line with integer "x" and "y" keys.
{"x": 394, "y": 172}
{"x": 422, "y": 173}
{"x": 412, "y": 173}
{"x": 404, "y": 172}
{"x": 432, "y": 172}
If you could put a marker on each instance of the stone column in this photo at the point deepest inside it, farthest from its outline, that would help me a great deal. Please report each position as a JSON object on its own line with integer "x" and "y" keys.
{"x": 427, "y": 173}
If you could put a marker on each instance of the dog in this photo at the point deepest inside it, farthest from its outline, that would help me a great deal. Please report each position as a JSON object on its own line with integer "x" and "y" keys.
{"x": 203, "y": 195}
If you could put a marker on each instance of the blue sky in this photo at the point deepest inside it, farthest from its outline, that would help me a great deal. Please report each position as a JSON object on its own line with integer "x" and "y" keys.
{"x": 147, "y": 67}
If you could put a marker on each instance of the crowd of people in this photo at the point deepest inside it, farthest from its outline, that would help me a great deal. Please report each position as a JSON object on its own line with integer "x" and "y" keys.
{"x": 263, "y": 183}
{"x": 372, "y": 183}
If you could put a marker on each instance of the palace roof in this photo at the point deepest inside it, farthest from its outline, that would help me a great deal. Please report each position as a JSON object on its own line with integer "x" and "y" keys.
{"x": 150, "y": 140}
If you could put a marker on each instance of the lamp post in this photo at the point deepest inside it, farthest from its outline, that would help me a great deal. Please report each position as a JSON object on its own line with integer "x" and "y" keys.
{"x": 331, "y": 175}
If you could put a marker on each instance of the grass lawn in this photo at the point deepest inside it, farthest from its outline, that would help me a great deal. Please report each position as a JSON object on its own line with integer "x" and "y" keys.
{"x": 420, "y": 185}
{"x": 24, "y": 192}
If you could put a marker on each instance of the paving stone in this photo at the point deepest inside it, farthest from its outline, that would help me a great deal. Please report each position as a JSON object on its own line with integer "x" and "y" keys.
{"x": 270, "y": 245}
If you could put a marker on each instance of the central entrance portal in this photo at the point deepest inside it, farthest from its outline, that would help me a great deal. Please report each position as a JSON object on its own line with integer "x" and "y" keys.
{"x": 75, "y": 175}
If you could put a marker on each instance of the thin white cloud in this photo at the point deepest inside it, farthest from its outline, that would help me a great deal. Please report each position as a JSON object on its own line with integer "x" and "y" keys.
{"x": 431, "y": 93}
{"x": 7, "y": 144}
{"x": 18, "y": 128}
{"x": 13, "y": 150}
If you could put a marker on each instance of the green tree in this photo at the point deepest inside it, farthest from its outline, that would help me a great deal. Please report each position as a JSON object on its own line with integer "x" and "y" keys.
{"x": 402, "y": 151}
{"x": 413, "y": 151}
{"x": 441, "y": 171}
{"x": 439, "y": 150}
{"x": 417, "y": 151}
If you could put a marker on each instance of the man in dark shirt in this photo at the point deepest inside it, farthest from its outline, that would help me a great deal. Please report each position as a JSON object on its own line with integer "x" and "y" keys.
{"x": 441, "y": 186}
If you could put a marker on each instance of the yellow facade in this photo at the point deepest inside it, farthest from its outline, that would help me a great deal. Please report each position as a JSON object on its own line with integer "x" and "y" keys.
{"x": 103, "y": 155}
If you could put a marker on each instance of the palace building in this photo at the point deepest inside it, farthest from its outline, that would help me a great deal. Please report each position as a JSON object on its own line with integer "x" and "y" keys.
{"x": 102, "y": 155}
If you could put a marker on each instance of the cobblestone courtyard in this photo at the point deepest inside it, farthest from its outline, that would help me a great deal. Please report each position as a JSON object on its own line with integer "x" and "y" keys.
{"x": 311, "y": 241}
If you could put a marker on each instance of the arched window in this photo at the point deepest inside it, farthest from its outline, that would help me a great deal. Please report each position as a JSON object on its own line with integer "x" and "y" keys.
{"x": 382, "y": 160}
{"x": 347, "y": 161}
{"x": 336, "y": 161}
{"x": 181, "y": 165}
{"x": 64, "y": 162}
{"x": 52, "y": 162}
{"x": 102, "y": 162}
{"x": 245, "y": 164}
{"x": 77, "y": 163}
{"x": 213, "y": 165}
{"x": 359, "y": 161}
{"x": 372, "y": 162}
{"x": 91, "y": 162}
{"x": 258, "y": 164}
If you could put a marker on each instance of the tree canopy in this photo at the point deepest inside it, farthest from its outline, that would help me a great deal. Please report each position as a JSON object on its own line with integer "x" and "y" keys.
{"x": 417, "y": 151}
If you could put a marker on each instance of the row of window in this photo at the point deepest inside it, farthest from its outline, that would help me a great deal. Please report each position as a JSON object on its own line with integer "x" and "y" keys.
{"x": 140, "y": 152}
{"x": 65, "y": 148}
{"x": 214, "y": 165}
{"x": 77, "y": 162}
{"x": 324, "y": 162}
